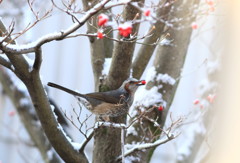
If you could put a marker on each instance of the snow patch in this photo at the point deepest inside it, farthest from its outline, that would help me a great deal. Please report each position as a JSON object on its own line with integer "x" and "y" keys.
{"x": 76, "y": 146}
{"x": 24, "y": 101}
{"x": 151, "y": 73}
{"x": 50, "y": 154}
{"x": 165, "y": 78}
{"x": 106, "y": 66}
{"x": 166, "y": 42}
{"x": 131, "y": 159}
{"x": 132, "y": 131}
{"x": 147, "y": 98}
{"x": 213, "y": 66}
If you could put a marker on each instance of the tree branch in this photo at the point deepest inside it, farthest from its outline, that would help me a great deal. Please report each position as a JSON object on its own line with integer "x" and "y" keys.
{"x": 31, "y": 47}
{"x": 5, "y": 63}
{"x": 145, "y": 52}
{"x": 123, "y": 52}
{"x": 96, "y": 45}
{"x": 25, "y": 110}
{"x": 38, "y": 59}
{"x": 86, "y": 141}
{"x": 148, "y": 145}
{"x": 169, "y": 60}
{"x": 40, "y": 101}
{"x": 19, "y": 62}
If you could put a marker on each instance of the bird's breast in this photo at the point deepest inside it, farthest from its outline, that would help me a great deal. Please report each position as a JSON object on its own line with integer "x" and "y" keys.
{"x": 111, "y": 110}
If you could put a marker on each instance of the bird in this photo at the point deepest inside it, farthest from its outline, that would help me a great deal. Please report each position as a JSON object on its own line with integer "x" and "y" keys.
{"x": 111, "y": 103}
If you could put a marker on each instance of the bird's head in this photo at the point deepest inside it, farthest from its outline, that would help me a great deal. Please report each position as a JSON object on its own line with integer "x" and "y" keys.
{"x": 131, "y": 85}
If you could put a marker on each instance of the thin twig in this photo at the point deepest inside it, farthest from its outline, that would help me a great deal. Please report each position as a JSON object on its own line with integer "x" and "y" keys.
{"x": 86, "y": 141}
{"x": 147, "y": 146}
{"x": 53, "y": 36}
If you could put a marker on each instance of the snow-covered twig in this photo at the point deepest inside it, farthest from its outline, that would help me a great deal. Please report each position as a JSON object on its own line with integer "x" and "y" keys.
{"x": 53, "y": 36}
{"x": 11, "y": 28}
{"x": 31, "y": 25}
{"x": 148, "y": 145}
{"x": 121, "y": 125}
{"x": 121, "y": 2}
{"x": 110, "y": 124}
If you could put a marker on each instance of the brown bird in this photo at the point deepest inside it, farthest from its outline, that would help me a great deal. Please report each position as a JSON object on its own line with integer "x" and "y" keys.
{"x": 111, "y": 103}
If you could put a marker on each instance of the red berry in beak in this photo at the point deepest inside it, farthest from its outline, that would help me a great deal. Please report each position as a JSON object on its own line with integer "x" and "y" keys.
{"x": 143, "y": 82}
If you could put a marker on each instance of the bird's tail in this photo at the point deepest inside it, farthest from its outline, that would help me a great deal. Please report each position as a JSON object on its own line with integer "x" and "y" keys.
{"x": 65, "y": 89}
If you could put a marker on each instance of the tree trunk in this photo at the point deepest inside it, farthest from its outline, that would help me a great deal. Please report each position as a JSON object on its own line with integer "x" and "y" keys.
{"x": 107, "y": 141}
{"x": 169, "y": 60}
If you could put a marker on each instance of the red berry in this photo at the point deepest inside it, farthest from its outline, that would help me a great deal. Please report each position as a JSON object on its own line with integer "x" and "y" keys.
{"x": 194, "y": 25}
{"x": 160, "y": 108}
{"x": 147, "y": 13}
{"x": 210, "y": 2}
{"x": 125, "y": 29}
{"x": 100, "y": 35}
{"x": 195, "y": 102}
{"x": 143, "y": 82}
{"x": 11, "y": 113}
{"x": 211, "y": 98}
{"x": 102, "y": 20}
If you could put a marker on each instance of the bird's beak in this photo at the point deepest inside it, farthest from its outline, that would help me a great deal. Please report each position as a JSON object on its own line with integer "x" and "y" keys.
{"x": 141, "y": 82}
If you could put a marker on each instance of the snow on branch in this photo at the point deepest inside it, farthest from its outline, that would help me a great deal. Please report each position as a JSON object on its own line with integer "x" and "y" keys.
{"x": 148, "y": 145}
{"x": 110, "y": 124}
{"x": 31, "y": 47}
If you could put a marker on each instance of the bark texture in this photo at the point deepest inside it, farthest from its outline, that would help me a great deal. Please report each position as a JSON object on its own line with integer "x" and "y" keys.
{"x": 100, "y": 48}
{"x": 169, "y": 60}
{"x": 29, "y": 74}
{"x": 27, "y": 116}
{"x": 146, "y": 51}
{"x": 107, "y": 141}
{"x": 25, "y": 111}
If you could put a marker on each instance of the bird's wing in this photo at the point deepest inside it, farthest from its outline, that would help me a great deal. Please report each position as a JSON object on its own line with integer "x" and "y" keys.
{"x": 104, "y": 97}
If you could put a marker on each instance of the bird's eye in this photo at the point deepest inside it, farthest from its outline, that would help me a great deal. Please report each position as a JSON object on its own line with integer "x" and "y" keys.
{"x": 131, "y": 82}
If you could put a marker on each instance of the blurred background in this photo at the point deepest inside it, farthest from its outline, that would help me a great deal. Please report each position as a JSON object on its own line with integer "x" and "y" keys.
{"x": 68, "y": 63}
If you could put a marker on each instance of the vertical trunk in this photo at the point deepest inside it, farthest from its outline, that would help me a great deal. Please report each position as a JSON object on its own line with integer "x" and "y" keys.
{"x": 107, "y": 143}
{"x": 169, "y": 60}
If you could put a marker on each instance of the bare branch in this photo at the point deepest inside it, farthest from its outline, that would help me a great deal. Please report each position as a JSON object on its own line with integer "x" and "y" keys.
{"x": 56, "y": 36}
{"x": 29, "y": 26}
{"x": 25, "y": 110}
{"x": 31, "y": 47}
{"x": 145, "y": 52}
{"x": 86, "y": 141}
{"x": 8, "y": 36}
